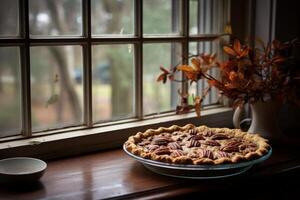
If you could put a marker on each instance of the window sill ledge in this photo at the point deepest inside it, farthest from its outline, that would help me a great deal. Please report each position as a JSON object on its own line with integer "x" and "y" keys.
{"x": 95, "y": 139}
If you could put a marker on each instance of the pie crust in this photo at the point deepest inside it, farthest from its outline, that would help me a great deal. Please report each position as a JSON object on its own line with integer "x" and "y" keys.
{"x": 197, "y": 145}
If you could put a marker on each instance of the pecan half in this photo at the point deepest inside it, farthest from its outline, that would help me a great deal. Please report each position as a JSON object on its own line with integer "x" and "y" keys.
{"x": 233, "y": 143}
{"x": 222, "y": 154}
{"x": 162, "y": 150}
{"x": 211, "y": 143}
{"x": 151, "y": 147}
{"x": 219, "y": 136}
{"x": 161, "y": 140}
{"x": 194, "y": 143}
{"x": 196, "y": 137}
{"x": 230, "y": 149}
{"x": 177, "y": 153}
{"x": 204, "y": 153}
{"x": 174, "y": 146}
{"x": 250, "y": 146}
{"x": 144, "y": 142}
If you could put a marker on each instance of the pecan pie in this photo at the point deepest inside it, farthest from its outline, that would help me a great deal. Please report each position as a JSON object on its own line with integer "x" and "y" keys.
{"x": 197, "y": 145}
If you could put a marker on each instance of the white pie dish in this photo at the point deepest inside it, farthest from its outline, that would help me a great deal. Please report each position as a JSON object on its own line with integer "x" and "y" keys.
{"x": 21, "y": 169}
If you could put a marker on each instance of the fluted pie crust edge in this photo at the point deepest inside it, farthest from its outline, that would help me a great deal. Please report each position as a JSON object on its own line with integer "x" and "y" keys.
{"x": 197, "y": 145}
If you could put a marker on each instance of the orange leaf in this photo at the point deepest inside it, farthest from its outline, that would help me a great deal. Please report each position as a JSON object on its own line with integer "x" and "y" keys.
{"x": 244, "y": 52}
{"x": 196, "y": 63}
{"x": 229, "y": 51}
{"x": 278, "y": 59}
{"x": 185, "y": 68}
{"x": 237, "y": 46}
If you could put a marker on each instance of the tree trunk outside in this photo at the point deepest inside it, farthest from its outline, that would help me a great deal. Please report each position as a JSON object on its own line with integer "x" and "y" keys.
{"x": 120, "y": 92}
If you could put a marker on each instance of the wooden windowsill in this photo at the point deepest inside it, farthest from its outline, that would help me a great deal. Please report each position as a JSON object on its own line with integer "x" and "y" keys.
{"x": 112, "y": 174}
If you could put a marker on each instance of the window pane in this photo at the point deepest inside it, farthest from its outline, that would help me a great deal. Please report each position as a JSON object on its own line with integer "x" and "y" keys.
{"x": 55, "y": 17}
{"x": 197, "y": 89}
{"x": 208, "y": 16}
{"x": 56, "y": 86}
{"x": 158, "y": 97}
{"x": 10, "y": 92}
{"x": 9, "y": 18}
{"x": 113, "y": 17}
{"x": 113, "y": 82}
{"x": 193, "y": 16}
{"x": 161, "y": 16}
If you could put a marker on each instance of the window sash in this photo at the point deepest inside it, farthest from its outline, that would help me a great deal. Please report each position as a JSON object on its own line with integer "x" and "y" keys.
{"x": 86, "y": 41}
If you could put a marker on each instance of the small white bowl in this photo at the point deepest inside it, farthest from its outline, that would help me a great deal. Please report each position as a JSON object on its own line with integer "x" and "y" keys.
{"x": 21, "y": 169}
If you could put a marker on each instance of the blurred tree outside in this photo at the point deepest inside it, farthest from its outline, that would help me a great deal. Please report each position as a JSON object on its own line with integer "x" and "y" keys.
{"x": 47, "y": 18}
{"x": 110, "y": 18}
{"x": 10, "y": 90}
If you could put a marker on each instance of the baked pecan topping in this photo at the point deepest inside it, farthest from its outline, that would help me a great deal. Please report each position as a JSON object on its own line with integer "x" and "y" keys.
{"x": 162, "y": 150}
{"x": 219, "y": 136}
{"x": 161, "y": 140}
{"x": 196, "y": 137}
{"x": 197, "y": 145}
{"x": 231, "y": 148}
{"x": 205, "y": 153}
{"x": 192, "y": 131}
{"x": 151, "y": 147}
{"x": 211, "y": 143}
{"x": 222, "y": 154}
{"x": 233, "y": 143}
{"x": 177, "y": 153}
{"x": 194, "y": 143}
{"x": 174, "y": 146}
{"x": 208, "y": 133}
{"x": 143, "y": 143}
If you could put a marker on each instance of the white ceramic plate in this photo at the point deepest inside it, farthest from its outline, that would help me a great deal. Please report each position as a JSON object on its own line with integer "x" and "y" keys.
{"x": 21, "y": 169}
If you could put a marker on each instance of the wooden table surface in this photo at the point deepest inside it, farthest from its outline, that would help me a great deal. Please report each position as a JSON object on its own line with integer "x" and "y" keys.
{"x": 112, "y": 174}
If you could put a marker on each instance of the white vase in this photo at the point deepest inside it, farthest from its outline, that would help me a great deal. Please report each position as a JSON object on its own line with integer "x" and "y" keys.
{"x": 265, "y": 119}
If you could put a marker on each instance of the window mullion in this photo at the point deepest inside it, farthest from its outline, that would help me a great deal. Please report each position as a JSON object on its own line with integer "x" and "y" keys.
{"x": 25, "y": 70}
{"x": 87, "y": 65}
{"x": 138, "y": 57}
{"x": 185, "y": 43}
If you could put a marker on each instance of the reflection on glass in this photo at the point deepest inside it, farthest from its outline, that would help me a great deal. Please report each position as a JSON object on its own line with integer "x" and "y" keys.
{"x": 161, "y": 16}
{"x": 113, "y": 82}
{"x": 158, "y": 97}
{"x": 10, "y": 92}
{"x": 9, "y": 18}
{"x": 56, "y": 87}
{"x": 114, "y": 17}
{"x": 55, "y": 18}
{"x": 197, "y": 89}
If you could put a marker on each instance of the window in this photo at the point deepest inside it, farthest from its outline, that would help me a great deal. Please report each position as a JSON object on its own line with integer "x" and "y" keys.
{"x": 84, "y": 63}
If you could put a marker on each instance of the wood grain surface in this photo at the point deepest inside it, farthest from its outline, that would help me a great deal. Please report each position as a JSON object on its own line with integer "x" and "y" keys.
{"x": 112, "y": 174}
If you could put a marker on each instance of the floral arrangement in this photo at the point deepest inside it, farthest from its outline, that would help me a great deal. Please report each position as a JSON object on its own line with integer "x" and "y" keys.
{"x": 248, "y": 75}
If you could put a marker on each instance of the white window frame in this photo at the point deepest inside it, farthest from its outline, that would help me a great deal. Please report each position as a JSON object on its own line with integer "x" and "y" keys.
{"x": 106, "y": 135}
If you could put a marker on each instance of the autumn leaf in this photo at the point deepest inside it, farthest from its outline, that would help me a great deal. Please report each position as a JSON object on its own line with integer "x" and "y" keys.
{"x": 163, "y": 76}
{"x": 229, "y": 51}
{"x": 196, "y": 64}
{"x": 237, "y": 46}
